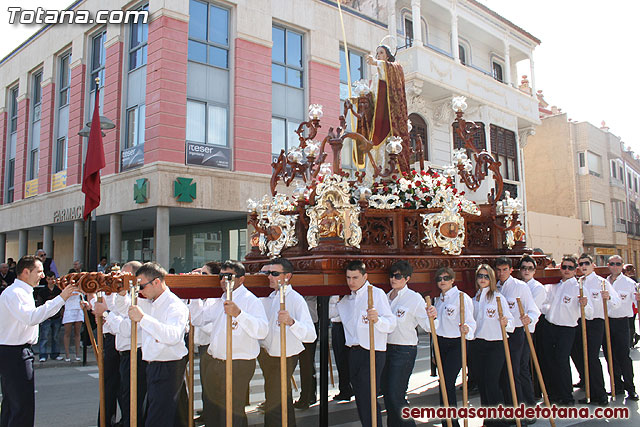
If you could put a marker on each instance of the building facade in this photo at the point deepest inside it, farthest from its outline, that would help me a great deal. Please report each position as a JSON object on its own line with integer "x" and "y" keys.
{"x": 203, "y": 96}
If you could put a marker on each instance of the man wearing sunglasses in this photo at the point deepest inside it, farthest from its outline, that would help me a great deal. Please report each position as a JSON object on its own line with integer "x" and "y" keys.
{"x": 619, "y": 325}
{"x": 163, "y": 348}
{"x": 356, "y": 316}
{"x": 299, "y": 330}
{"x": 512, "y": 289}
{"x": 561, "y": 310}
{"x": 249, "y": 326}
{"x": 592, "y": 285}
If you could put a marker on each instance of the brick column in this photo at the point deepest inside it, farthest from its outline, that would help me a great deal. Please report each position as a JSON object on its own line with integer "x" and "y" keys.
{"x": 22, "y": 143}
{"x": 324, "y": 89}
{"x": 76, "y": 123}
{"x": 112, "y": 106}
{"x": 47, "y": 119}
{"x": 252, "y": 121}
{"x": 166, "y": 100}
{"x": 3, "y": 151}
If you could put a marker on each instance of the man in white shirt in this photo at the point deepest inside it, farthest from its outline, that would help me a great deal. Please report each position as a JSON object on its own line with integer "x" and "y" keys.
{"x": 20, "y": 320}
{"x": 356, "y": 316}
{"x": 619, "y": 325}
{"x": 299, "y": 330}
{"x": 163, "y": 348}
{"x": 561, "y": 310}
{"x": 512, "y": 289}
{"x": 593, "y": 285}
{"x": 249, "y": 325}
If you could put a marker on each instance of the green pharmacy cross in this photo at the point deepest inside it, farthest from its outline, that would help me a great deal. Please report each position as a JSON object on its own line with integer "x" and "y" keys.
{"x": 184, "y": 190}
{"x": 141, "y": 190}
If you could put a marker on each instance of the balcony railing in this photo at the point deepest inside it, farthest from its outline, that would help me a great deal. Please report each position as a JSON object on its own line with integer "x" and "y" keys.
{"x": 620, "y": 226}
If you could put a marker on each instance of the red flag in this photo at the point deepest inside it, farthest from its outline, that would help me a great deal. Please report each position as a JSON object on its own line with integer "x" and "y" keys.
{"x": 93, "y": 163}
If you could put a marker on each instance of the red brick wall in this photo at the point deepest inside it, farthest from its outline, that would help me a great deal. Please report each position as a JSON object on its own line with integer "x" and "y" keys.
{"x": 112, "y": 93}
{"x": 76, "y": 123}
{"x": 166, "y": 101}
{"x": 324, "y": 89}
{"x": 3, "y": 146}
{"x": 47, "y": 117}
{"x": 21, "y": 148}
{"x": 252, "y": 123}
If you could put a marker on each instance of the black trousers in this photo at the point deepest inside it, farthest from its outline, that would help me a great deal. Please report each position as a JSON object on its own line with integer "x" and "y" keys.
{"x": 451, "y": 355}
{"x": 595, "y": 337}
{"x": 556, "y": 369}
{"x": 125, "y": 391}
{"x": 395, "y": 381}
{"x": 273, "y": 407}
{"x": 341, "y": 356}
{"x": 359, "y": 370}
{"x": 488, "y": 362}
{"x": 205, "y": 361}
{"x": 166, "y": 394}
{"x": 215, "y": 383}
{"x": 112, "y": 392}
{"x": 526, "y": 379}
{"x": 538, "y": 338}
{"x": 18, "y": 391}
{"x": 308, "y": 384}
{"x": 516, "y": 346}
{"x": 622, "y": 366}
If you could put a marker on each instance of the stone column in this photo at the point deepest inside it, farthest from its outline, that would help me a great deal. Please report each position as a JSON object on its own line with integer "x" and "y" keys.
{"x": 507, "y": 62}
{"x": 532, "y": 76}
{"x": 454, "y": 33}
{"x": 78, "y": 241}
{"x": 115, "y": 238}
{"x": 161, "y": 237}
{"x": 393, "y": 26}
{"x": 47, "y": 240}
{"x": 3, "y": 247}
{"x": 23, "y": 243}
{"x": 417, "y": 23}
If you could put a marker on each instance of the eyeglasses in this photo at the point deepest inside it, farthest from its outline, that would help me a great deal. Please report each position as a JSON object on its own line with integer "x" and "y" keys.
{"x": 143, "y": 285}
{"x": 583, "y": 263}
{"x": 527, "y": 268}
{"x": 397, "y": 276}
{"x": 568, "y": 267}
{"x": 615, "y": 263}
{"x": 274, "y": 273}
{"x": 443, "y": 279}
{"x": 482, "y": 276}
{"x": 228, "y": 276}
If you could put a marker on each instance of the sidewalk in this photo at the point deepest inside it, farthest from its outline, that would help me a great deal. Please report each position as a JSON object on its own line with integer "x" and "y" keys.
{"x": 52, "y": 363}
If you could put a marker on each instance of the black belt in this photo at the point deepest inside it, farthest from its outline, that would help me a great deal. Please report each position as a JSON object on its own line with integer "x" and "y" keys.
{"x": 19, "y": 346}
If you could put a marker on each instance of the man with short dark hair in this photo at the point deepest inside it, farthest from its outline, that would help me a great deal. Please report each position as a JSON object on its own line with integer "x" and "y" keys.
{"x": 356, "y": 316}
{"x": 47, "y": 263}
{"x": 6, "y": 276}
{"x": 49, "y": 328}
{"x": 102, "y": 266}
{"x": 20, "y": 319}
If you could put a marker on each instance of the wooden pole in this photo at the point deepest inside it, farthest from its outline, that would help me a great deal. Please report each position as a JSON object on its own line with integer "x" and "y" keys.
{"x": 293, "y": 383}
{"x": 100, "y": 345}
{"x": 229, "y": 361}
{"x": 436, "y": 348}
{"x": 507, "y": 355}
{"x": 133, "y": 360}
{"x": 191, "y": 372}
{"x": 283, "y": 360}
{"x": 607, "y": 333}
{"x": 463, "y": 345}
{"x": 333, "y": 384}
{"x": 536, "y": 365}
{"x": 585, "y": 353}
{"x": 372, "y": 364}
{"x": 89, "y": 329}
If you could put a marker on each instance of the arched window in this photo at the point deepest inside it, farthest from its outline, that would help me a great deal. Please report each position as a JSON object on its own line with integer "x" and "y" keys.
{"x": 419, "y": 129}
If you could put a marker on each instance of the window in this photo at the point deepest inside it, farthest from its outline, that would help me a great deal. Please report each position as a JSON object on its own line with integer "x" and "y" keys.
{"x": 613, "y": 170}
{"x": 356, "y": 63}
{"x": 497, "y": 71}
{"x": 479, "y": 138}
{"x": 34, "y": 152}
{"x": 97, "y": 59}
{"x": 505, "y": 150}
{"x": 597, "y": 213}
{"x": 61, "y": 154}
{"x": 206, "y": 123}
{"x": 594, "y": 162}
{"x": 208, "y": 34}
{"x": 135, "y": 126}
{"x": 462, "y": 54}
{"x": 283, "y": 136}
{"x": 418, "y": 129}
{"x": 408, "y": 32}
{"x": 64, "y": 84}
{"x": 138, "y": 42}
{"x": 629, "y": 180}
{"x": 581, "y": 161}
{"x": 635, "y": 184}
{"x": 65, "y": 80}
{"x": 11, "y": 141}
{"x": 286, "y": 57}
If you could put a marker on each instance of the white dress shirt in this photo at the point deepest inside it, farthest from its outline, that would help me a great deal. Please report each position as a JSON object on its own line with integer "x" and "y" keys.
{"x": 626, "y": 289}
{"x": 592, "y": 286}
{"x": 410, "y": 311}
{"x": 201, "y": 334}
{"x": 303, "y": 329}
{"x": 514, "y": 288}
{"x": 448, "y": 321}
{"x": 119, "y": 324}
{"x": 353, "y": 312}
{"x": 561, "y": 307}
{"x": 538, "y": 291}
{"x": 163, "y": 329}
{"x": 247, "y": 329}
{"x": 486, "y": 315}
{"x": 19, "y": 315}
{"x": 334, "y": 316}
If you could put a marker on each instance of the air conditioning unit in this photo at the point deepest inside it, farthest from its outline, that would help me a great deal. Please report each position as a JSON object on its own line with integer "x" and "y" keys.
{"x": 583, "y": 170}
